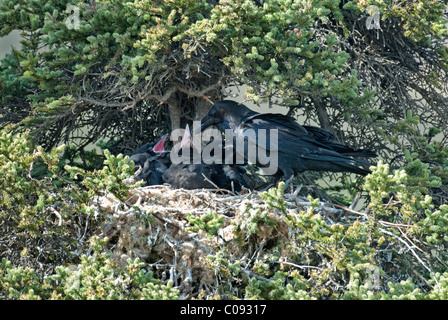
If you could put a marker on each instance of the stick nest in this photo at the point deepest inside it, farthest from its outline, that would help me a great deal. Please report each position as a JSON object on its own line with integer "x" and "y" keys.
{"x": 154, "y": 224}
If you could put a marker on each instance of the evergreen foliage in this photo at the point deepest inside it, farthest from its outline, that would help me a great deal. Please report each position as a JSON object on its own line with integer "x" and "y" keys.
{"x": 133, "y": 70}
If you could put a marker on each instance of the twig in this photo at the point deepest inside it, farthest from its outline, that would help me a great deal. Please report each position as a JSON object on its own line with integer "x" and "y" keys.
{"x": 109, "y": 104}
{"x": 256, "y": 276}
{"x": 297, "y": 265}
{"x": 173, "y": 269}
{"x": 369, "y": 217}
{"x": 412, "y": 250}
{"x": 407, "y": 238}
{"x": 57, "y": 215}
{"x": 167, "y": 221}
{"x": 355, "y": 201}
{"x": 217, "y": 188}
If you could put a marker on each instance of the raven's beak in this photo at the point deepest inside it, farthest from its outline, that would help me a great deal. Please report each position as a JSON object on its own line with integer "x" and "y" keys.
{"x": 160, "y": 146}
{"x": 186, "y": 138}
{"x": 205, "y": 123}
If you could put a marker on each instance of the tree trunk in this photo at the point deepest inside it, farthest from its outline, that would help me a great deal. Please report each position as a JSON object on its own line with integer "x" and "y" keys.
{"x": 174, "y": 108}
{"x": 322, "y": 114}
{"x": 202, "y": 108}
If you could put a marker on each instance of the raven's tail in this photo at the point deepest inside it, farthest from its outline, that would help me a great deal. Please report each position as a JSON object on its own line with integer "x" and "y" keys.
{"x": 326, "y": 138}
{"x": 362, "y": 169}
{"x": 335, "y": 163}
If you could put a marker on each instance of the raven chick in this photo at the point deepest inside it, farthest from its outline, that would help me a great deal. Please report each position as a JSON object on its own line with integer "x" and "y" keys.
{"x": 201, "y": 175}
{"x": 153, "y": 162}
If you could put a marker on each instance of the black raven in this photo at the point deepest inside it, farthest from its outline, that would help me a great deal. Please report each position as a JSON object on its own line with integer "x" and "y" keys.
{"x": 153, "y": 162}
{"x": 299, "y": 148}
{"x": 192, "y": 175}
{"x": 158, "y": 148}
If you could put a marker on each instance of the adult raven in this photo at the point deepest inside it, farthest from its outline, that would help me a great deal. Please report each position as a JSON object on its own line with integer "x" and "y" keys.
{"x": 300, "y": 148}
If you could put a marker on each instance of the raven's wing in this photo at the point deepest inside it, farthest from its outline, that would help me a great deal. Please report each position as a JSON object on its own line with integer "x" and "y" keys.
{"x": 278, "y": 121}
{"x": 293, "y": 140}
{"x": 292, "y": 137}
{"x": 319, "y": 133}
{"x": 310, "y": 136}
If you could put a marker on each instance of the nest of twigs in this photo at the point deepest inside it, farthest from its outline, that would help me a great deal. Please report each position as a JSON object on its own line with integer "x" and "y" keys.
{"x": 153, "y": 224}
